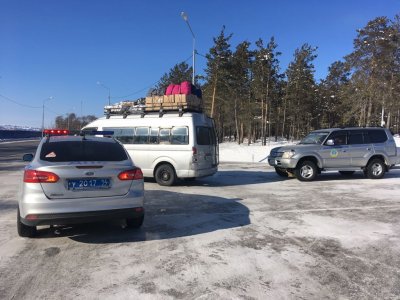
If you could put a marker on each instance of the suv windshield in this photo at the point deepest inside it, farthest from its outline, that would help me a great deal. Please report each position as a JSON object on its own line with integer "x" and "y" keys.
{"x": 314, "y": 138}
{"x": 82, "y": 151}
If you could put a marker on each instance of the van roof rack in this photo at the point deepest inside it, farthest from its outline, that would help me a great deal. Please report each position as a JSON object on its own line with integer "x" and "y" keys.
{"x": 180, "y": 103}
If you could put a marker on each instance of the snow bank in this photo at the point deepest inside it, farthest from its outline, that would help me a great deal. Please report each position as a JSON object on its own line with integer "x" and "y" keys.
{"x": 232, "y": 152}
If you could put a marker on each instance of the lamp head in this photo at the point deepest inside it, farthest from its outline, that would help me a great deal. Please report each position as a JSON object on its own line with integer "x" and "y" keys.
{"x": 184, "y": 16}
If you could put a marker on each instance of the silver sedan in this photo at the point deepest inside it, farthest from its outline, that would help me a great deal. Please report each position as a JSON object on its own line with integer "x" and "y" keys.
{"x": 79, "y": 179}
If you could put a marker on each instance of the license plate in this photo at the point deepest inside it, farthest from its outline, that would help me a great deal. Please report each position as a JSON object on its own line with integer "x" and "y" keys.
{"x": 89, "y": 184}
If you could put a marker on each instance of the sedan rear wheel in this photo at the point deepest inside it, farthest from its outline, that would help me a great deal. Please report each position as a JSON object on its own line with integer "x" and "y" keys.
{"x": 24, "y": 230}
{"x": 134, "y": 222}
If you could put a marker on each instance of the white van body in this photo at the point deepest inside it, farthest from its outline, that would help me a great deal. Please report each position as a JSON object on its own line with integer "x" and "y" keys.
{"x": 186, "y": 142}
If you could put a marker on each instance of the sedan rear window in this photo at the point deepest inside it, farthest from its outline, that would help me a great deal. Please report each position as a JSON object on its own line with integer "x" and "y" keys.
{"x": 82, "y": 151}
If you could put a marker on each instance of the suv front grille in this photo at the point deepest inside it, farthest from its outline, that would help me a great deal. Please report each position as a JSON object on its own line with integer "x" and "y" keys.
{"x": 276, "y": 154}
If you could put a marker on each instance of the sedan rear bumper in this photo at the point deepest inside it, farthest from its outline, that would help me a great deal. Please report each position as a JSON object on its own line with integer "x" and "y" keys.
{"x": 81, "y": 217}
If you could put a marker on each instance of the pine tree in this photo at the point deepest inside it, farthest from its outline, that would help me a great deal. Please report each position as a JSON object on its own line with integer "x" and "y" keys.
{"x": 301, "y": 100}
{"x": 217, "y": 80}
{"x": 177, "y": 74}
{"x": 266, "y": 86}
{"x": 375, "y": 64}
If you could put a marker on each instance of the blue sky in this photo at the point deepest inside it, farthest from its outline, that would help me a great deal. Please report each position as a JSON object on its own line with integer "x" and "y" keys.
{"x": 62, "y": 48}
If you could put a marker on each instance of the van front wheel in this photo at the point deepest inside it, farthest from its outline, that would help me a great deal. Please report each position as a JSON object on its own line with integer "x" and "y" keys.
{"x": 165, "y": 175}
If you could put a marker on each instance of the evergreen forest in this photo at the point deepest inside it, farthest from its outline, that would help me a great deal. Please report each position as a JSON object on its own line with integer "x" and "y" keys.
{"x": 252, "y": 99}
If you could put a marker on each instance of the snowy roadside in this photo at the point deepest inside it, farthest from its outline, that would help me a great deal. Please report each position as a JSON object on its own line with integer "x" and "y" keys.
{"x": 232, "y": 152}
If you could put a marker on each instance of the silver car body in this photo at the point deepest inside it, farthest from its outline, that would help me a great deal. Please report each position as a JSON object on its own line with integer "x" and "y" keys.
{"x": 346, "y": 156}
{"x": 58, "y": 203}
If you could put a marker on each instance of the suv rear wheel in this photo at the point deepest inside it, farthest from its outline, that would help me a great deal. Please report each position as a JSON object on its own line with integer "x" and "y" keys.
{"x": 375, "y": 169}
{"x": 306, "y": 171}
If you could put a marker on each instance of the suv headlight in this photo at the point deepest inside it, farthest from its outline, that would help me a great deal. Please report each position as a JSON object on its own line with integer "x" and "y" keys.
{"x": 288, "y": 154}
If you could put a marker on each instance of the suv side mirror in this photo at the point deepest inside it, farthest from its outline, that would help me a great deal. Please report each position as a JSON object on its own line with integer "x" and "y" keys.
{"x": 27, "y": 157}
{"x": 330, "y": 143}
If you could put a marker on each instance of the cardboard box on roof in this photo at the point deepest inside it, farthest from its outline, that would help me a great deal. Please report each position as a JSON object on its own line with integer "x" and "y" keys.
{"x": 169, "y": 98}
{"x": 154, "y": 99}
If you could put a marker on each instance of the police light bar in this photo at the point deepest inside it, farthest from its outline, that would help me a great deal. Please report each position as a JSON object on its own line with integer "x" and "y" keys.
{"x": 56, "y": 132}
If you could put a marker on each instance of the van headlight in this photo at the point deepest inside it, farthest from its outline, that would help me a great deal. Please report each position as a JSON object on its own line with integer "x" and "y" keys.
{"x": 288, "y": 154}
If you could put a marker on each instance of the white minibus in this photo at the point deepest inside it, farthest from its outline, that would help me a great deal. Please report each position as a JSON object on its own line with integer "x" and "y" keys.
{"x": 166, "y": 146}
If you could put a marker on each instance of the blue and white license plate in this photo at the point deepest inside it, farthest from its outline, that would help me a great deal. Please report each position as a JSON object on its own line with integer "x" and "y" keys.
{"x": 89, "y": 184}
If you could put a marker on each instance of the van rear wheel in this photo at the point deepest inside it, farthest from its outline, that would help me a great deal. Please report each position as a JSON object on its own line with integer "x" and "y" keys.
{"x": 165, "y": 175}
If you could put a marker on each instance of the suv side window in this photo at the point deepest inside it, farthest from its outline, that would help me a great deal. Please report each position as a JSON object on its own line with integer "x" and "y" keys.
{"x": 358, "y": 137}
{"x": 339, "y": 137}
{"x": 377, "y": 136}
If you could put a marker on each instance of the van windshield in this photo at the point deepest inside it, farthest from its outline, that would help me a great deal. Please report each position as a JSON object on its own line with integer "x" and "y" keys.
{"x": 314, "y": 138}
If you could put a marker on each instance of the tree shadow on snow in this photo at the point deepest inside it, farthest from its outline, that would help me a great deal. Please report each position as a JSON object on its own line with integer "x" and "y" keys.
{"x": 167, "y": 215}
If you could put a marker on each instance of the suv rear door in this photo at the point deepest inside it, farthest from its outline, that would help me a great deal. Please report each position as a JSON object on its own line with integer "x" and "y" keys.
{"x": 360, "y": 147}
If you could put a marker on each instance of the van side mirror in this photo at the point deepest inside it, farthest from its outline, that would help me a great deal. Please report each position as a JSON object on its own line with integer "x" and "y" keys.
{"x": 330, "y": 143}
{"x": 27, "y": 157}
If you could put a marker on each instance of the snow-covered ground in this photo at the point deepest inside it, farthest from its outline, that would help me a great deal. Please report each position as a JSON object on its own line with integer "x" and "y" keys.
{"x": 232, "y": 152}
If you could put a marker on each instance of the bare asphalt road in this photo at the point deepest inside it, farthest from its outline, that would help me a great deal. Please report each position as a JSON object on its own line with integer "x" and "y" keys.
{"x": 242, "y": 234}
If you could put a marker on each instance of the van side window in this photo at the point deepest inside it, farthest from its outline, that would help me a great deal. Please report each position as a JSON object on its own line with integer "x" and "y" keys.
{"x": 141, "y": 135}
{"x": 179, "y": 136}
{"x": 203, "y": 135}
{"x": 124, "y": 135}
{"x": 164, "y": 137}
{"x": 377, "y": 136}
{"x": 153, "y": 139}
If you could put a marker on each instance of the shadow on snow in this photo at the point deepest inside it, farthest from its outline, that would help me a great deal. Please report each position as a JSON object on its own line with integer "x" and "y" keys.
{"x": 167, "y": 215}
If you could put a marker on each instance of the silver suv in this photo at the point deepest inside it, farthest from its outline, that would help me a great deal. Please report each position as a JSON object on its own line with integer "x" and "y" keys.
{"x": 370, "y": 149}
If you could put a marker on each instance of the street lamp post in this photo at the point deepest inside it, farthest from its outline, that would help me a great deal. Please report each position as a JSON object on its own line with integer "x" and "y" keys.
{"x": 44, "y": 100}
{"x": 109, "y": 91}
{"x": 185, "y": 18}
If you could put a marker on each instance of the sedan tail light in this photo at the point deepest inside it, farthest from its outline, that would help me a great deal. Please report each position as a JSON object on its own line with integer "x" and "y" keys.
{"x": 34, "y": 176}
{"x": 134, "y": 174}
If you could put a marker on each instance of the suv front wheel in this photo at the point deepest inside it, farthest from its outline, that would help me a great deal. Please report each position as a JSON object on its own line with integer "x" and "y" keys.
{"x": 281, "y": 172}
{"x": 306, "y": 171}
{"x": 375, "y": 169}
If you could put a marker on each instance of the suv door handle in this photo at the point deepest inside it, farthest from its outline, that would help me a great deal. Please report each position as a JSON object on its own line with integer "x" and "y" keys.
{"x": 368, "y": 149}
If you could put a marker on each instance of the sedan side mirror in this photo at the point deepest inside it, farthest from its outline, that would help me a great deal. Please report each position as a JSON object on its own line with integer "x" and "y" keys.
{"x": 27, "y": 157}
{"x": 330, "y": 143}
